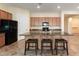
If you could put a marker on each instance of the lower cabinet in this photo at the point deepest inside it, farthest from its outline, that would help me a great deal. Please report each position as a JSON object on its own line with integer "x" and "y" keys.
{"x": 2, "y": 39}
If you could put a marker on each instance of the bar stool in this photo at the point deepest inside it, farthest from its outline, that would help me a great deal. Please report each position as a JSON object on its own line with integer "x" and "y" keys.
{"x": 31, "y": 41}
{"x": 61, "y": 43}
{"x": 46, "y": 41}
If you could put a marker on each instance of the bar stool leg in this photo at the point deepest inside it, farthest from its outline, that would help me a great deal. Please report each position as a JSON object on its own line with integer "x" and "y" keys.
{"x": 41, "y": 48}
{"x": 25, "y": 48}
{"x": 67, "y": 48}
{"x": 37, "y": 45}
{"x": 28, "y": 45}
{"x": 64, "y": 46}
{"x": 36, "y": 48}
{"x": 51, "y": 48}
{"x": 56, "y": 48}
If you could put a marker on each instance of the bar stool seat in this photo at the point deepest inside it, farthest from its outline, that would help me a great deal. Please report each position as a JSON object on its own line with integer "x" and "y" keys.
{"x": 61, "y": 43}
{"x": 46, "y": 41}
{"x": 31, "y": 41}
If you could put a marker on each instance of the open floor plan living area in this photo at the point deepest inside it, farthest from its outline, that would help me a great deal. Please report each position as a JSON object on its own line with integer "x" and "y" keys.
{"x": 39, "y": 29}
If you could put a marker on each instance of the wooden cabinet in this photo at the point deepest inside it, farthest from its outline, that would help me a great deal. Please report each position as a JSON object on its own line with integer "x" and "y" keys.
{"x": 37, "y": 21}
{"x": 2, "y": 39}
{"x": 9, "y": 16}
{"x": 5, "y": 15}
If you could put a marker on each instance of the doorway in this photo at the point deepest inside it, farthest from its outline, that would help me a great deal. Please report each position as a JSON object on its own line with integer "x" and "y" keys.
{"x": 71, "y": 23}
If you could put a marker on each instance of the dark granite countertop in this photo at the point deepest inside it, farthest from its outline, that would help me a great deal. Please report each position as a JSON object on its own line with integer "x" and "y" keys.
{"x": 41, "y": 33}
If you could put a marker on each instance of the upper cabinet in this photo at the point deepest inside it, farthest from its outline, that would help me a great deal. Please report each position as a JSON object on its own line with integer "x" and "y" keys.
{"x": 37, "y": 21}
{"x": 9, "y": 16}
{"x": 5, "y": 15}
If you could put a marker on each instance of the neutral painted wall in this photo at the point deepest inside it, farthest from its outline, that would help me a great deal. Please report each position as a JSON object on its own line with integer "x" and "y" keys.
{"x": 21, "y": 15}
{"x": 45, "y": 14}
{"x": 75, "y": 24}
{"x": 75, "y": 21}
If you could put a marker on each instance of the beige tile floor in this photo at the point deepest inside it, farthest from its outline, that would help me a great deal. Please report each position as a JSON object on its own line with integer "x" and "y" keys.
{"x": 17, "y": 48}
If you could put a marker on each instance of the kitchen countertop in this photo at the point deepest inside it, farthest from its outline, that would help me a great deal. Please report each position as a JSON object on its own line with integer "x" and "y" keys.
{"x": 41, "y": 33}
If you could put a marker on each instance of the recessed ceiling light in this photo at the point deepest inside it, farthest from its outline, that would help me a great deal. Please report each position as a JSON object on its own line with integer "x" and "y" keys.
{"x": 78, "y": 7}
{"x": 38, "y": 5}
{"x": 58, "y": 7}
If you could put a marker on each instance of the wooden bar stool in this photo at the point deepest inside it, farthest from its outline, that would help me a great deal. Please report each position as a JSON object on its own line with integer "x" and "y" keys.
{"x": 31, "y": 41}
{"x": 46, "y": 41}
{"x": 61, "y": 43}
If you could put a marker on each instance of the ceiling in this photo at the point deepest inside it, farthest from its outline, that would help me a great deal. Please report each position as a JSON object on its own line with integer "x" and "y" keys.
{"x": 47, "y": 7}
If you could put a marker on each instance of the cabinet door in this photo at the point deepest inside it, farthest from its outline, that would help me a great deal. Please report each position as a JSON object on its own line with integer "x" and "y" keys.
{"x": 9, "y": 16}
{"x": 2, "y": 39}
{"x": 50, "y": 21}
{"x": 0, "y": 14}
{"x": 3, "y": 14}
{"x": 32, "y": 21}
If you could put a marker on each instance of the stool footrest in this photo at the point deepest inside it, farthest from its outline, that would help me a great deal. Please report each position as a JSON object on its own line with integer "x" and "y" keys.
{"x": 45, "y": 46}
